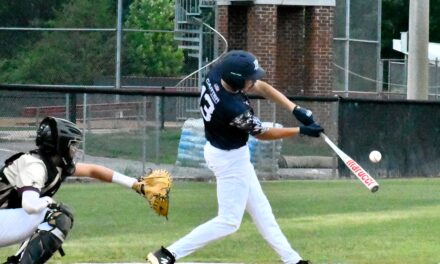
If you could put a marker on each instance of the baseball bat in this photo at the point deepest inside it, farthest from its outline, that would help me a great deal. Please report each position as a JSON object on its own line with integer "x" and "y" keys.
{"x": 360, "y": 173}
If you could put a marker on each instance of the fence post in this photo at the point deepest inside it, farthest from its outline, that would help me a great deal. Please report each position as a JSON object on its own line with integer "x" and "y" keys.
{"x": 84, "y": 124}
{"x": 71, "y": 107}
{"x": 156, "y": 127}
{"x": 437, "y": 81}
{"x": 274, "y": 159}
{"x": 162, "y": 110}
{"x": 144, "y": 133}
{"x": 379, "y": 84}
{"x": 37, "y": 116}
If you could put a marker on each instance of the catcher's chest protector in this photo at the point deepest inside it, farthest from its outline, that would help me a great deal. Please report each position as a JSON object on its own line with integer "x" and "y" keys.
{"x": 9, "y": 197}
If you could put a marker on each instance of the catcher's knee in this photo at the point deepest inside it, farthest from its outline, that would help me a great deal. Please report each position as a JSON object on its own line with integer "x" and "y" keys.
{"x": 60, "y": 218}
{"x": 49, "y": 236}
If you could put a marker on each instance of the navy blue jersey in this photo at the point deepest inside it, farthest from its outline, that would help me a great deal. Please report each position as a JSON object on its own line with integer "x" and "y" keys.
{"x": 228, "y": 117}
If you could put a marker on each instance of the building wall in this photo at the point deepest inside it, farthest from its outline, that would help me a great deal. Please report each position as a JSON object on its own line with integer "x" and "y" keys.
{"x": 290, "y": 50}
{"x": 318, "y": 53}
{"x": 223, "y": 24}
{"x": 262, "y": 38}
{"x": 238, "y": 33}
{"x": 293, "y": 43}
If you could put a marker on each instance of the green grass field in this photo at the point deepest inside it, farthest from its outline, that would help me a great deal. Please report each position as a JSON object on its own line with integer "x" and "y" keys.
{"x": 336, "y": 221}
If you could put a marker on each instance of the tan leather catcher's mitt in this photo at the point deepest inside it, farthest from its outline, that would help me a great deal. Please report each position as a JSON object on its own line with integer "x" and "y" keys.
{"x": 155, "y": 187}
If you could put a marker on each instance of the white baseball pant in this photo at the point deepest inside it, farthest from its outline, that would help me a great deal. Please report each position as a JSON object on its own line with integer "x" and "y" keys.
{"x": 238, "y": 189}
{"x": 16, "y": 225}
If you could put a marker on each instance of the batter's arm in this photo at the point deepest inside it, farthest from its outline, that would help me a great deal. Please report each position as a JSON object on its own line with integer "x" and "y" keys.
{"x": 313, "y": 130}
{"x": 252, "y": 125}
{"x": 269, "y": 92}
{"x": 278, "y": 133}
{"x": 304, "y": 115}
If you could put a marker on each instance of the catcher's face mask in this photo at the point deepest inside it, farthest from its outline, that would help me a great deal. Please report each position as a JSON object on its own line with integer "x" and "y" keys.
{"x": 75, "y": 153}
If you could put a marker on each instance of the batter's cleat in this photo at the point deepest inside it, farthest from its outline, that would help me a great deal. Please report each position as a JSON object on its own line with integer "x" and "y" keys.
{"x": 304, "y": 262}
{"x": 162, "y": 256}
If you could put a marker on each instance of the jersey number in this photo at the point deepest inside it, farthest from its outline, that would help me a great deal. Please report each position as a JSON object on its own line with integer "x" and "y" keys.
{"x": 206, "y": 105}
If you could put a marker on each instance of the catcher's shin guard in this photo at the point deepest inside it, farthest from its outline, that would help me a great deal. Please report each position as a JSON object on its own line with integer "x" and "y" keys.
{"x": 49, "y": 236}
{"x": 15, "y": 259}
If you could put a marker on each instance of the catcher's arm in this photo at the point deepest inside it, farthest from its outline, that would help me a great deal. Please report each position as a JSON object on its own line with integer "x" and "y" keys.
{"x": 103, "y": 174}
{"x": 154, "y": 186}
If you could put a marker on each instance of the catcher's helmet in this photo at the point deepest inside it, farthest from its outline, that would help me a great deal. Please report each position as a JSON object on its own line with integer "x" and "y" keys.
{"x": 237, "y": 66}
{"x": 56, "y": 136}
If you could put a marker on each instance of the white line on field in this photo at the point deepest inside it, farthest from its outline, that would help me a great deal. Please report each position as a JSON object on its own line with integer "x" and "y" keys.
{"x": 7, "y": 150}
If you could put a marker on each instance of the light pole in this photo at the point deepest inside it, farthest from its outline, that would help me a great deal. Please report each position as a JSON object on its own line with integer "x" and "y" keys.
{"x": 418, "y": 67}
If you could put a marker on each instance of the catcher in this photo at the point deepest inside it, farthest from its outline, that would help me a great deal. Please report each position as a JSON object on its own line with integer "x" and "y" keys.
{"x": 28, "y": 181}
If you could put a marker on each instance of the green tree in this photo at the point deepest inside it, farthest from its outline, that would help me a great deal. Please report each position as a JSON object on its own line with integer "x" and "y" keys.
{"x": 395, "y": 17}
{"x": 395, "y": 14}
{"x": 434, "y": 21}
{"x": 152, "y": 54}
{"x": 23, "y": 13}
{"x": 68, "y": 57}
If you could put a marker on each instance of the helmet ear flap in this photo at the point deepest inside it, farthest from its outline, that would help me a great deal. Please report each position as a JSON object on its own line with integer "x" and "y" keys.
{"x": 236, "y": 82}
{"x": 47, "y": 135}
{"x": 237, "y": 66}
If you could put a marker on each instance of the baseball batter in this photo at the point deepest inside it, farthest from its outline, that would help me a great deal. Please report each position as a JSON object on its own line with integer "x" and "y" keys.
{"x": 28, "y": 181}
{"x": 229, "y": 120}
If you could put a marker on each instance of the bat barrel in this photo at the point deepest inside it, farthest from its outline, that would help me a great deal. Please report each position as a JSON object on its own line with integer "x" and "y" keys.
{"x": 355, "y": 168}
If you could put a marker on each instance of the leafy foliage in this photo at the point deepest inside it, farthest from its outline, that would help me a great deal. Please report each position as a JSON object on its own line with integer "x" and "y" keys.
{"x": 153, "y": 54}
{"x": 24, "y": 13}
{"x": 78, "y": 57}
{"x": 395, "y": 17}
{"x": 67, "y": 57}
{"x": 395, "y": 14}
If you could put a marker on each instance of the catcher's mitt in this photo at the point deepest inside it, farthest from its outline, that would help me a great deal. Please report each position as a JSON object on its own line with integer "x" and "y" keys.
{"x": 155, "y": 187}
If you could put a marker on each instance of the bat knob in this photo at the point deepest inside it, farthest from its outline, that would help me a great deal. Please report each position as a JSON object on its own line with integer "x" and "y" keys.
{"x": 375, "y": 189}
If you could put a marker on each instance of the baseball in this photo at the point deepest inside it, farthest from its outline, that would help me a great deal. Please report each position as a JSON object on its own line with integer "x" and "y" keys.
{"x": 375, "y": 156}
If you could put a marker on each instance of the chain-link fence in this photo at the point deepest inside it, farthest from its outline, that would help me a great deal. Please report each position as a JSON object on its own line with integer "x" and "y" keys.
{"x": 357, "y": 46}
{"x": 104, "y": 45}
{"x": 395, "y": 78}
{"x": 359, "y": 71}
{"x": 140, "y": 131}
{"x": 85, "y": 51}
{"x": 116, "y": 44}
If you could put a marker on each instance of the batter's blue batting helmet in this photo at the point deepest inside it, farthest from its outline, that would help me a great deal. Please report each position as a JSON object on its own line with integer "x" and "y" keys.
{"x": 237, "y": 66}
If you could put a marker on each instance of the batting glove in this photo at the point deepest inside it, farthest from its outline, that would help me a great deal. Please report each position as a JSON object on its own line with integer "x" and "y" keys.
{"x": 303, "y": 115}
{"x": 312, "y": 130}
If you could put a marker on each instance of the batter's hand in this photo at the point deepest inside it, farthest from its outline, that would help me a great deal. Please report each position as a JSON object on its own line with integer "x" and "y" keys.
{"x": 312, "y": 130}
{"x": 303, "y": 115}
